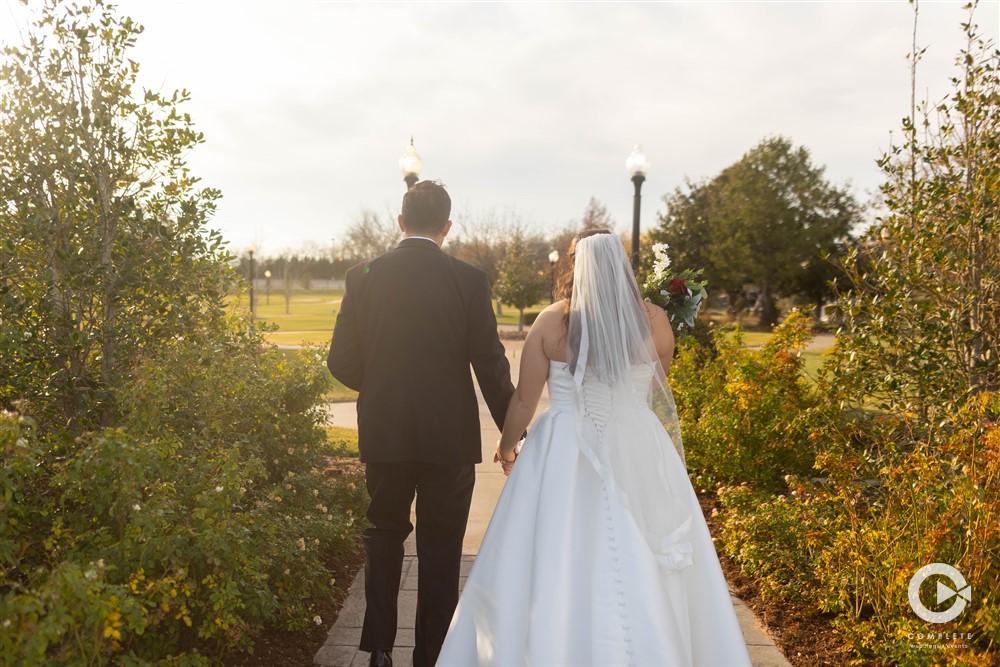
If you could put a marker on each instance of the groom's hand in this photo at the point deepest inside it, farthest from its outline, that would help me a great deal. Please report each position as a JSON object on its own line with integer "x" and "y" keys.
{"x": 504, "y": 463}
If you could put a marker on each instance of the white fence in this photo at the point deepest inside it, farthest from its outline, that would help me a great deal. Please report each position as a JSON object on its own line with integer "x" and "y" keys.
{"x": 278, "y": 285}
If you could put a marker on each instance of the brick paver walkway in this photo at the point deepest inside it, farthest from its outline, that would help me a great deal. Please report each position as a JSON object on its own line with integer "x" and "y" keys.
{"x": 341, "y": 647}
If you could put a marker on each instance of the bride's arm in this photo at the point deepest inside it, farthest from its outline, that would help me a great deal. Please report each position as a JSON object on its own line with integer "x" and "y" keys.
{"x": 531, "y": 380}
{"x": 663, "y": 335}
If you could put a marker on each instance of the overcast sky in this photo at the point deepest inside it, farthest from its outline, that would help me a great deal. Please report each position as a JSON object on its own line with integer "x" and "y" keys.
{"x": 307, "y": 106}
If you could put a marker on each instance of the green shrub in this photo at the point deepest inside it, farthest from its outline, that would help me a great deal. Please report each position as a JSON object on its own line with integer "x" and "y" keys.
{"x": 775, "y": 539}
{"x": 902, "y": 501}
{"x": 742, "y": 410}
{"x": 205, "y": 516}
{"x": 891, "y": 501}
{"x": 165, "y": 484}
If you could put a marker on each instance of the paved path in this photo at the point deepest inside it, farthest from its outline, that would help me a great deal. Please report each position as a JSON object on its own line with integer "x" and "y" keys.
{"x": 341, "y": 647}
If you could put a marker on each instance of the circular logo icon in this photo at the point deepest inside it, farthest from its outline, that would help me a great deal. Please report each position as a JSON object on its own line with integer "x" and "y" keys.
{"x": 961, "y": 592}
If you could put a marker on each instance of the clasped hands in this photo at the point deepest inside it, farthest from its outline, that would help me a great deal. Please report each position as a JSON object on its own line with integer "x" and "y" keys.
{"x": 507, "y": 461}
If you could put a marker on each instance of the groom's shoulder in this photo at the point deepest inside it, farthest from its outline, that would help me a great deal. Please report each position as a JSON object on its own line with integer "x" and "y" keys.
{"x": 469, "y": 275}
{"x": 465, "y": 267}
{"x": 357, "y": 271}
{"x": 367, "y": 266}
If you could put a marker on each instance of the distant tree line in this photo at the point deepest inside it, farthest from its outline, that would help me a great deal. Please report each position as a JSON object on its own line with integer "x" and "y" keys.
{"x": 769, "y": 226}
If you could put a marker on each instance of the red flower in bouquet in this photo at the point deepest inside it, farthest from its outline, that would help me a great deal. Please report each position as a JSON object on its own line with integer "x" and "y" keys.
{"x": 680, "y": 294}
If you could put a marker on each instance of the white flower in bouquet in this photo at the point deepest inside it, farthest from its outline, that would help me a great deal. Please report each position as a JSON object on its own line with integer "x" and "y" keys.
{"x": 661, "y": 261}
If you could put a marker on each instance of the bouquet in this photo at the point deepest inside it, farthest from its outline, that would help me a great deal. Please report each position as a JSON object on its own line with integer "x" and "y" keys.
{"x": 680, "y": 295}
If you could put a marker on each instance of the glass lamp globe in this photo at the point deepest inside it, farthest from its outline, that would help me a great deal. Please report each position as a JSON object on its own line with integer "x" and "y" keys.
{"x": 410, "y": 163}
{"x": 637, "y": 162}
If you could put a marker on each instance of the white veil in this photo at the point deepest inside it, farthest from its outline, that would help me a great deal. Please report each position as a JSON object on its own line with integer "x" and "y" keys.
{"x": 618, "y": 379}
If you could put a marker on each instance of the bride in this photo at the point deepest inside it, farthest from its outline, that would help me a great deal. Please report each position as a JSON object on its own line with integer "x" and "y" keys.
{"x": 597, "y": 552}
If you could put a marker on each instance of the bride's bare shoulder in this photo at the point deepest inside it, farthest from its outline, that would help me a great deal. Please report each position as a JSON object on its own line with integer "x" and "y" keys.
{"x": 550, "y": 326}
{"x": 549, "y": 320}
{"x": 654, "y": 313}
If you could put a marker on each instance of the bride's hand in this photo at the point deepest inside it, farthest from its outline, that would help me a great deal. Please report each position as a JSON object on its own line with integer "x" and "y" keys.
{"x": 505, "y": 463}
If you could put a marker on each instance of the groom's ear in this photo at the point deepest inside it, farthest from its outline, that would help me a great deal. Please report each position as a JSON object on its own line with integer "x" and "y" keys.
{"x": 399, "y": 221}
{"x": 447, "y": 228}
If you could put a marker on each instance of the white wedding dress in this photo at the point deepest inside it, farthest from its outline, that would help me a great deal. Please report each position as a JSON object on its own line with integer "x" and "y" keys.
{"x": 566, "y": 574}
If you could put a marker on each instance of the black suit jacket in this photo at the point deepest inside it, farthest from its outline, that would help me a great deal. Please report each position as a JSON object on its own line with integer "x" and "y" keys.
{"x": 410, "y": 325}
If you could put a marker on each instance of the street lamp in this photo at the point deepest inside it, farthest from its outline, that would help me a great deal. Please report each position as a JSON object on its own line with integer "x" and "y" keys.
{"x": 553, "y": 258}
{"x": 410, "y": 164}
{"x": 637, "y": 165}
{"x": 267, "y": 287}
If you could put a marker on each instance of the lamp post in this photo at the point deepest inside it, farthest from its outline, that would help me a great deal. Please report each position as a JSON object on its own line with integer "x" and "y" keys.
{"x": 410, "y": 164}
{"x": 637, "y": 165}
{"x": 553, "y": 258}
{"x": 267, "y": 287}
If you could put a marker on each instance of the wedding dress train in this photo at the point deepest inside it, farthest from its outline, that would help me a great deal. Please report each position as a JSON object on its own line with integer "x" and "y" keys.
{"x": 568, "y": 574}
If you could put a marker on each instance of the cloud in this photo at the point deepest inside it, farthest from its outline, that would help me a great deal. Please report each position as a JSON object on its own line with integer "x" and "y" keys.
{"x": 307, "y": 106}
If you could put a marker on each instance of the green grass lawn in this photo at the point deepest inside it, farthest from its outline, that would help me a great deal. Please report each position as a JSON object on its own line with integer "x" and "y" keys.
{"x": 510, "y": 314}
{"x": 344, "y": 441}
{"x": 339, "y": 393}
{"x": 320, "y": 337}
{"x": 312, "y": 313}
{"x": 811, "y": 361}
{"x": 754, "y": 338}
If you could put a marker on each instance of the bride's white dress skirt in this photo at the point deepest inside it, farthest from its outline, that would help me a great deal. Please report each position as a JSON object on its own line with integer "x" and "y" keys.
{"x": 564, "y": 575}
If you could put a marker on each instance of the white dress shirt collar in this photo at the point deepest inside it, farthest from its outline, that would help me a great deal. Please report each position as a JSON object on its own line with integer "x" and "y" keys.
{"x": 426, "y": 238}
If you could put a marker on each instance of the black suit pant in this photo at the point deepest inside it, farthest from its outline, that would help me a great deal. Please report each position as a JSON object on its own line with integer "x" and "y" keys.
{"x": 444, "y": 495}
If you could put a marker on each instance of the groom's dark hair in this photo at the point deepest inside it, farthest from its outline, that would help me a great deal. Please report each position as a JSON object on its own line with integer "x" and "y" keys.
{"x": 426, "y": 208}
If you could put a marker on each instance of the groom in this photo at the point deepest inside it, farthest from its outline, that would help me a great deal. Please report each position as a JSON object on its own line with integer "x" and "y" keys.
{"x": 410, "y": 325}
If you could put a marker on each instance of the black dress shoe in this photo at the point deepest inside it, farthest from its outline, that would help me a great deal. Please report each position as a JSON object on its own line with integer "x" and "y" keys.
{"x": 380, "y": 659}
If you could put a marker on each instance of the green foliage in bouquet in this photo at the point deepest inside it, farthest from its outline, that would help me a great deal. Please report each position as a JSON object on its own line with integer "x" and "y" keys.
{"x": 680, "y": 294}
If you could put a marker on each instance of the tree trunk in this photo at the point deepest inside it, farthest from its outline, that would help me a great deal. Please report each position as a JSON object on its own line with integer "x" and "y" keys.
{"x": 107, "y": 226}
{"x": 768, "y": 309}
{"x": 499, "y": 308}
{"x": 520, "y": 320}
{"x": 733, "y": 304}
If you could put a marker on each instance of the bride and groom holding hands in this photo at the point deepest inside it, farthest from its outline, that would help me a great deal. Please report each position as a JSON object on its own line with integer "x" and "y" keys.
{"x": 597, "y": 552}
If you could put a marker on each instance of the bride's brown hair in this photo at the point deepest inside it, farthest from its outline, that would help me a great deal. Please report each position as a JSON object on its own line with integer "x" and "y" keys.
{"x": 564, "y": 286}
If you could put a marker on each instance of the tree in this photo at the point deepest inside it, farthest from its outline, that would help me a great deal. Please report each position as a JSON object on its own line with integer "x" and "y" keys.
{"x": 596, "y": 216}
{"x": 682, "y": 226}
{"x": 765, "y": 219}
{"x": 370, "y": 235}
{"x": 922, "y": 296}
{"x": 520, "y": 283}
{"x": 482, "y": 241}
{"x": 105, "y": 254}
